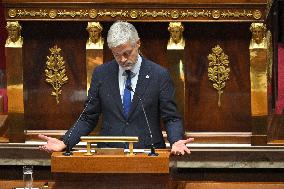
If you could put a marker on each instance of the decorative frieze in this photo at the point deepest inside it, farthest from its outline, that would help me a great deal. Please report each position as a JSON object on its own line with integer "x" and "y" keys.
{"x": 195, "y": 14}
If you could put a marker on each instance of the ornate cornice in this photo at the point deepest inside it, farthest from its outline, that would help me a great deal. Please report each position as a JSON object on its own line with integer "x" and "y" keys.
{"x": 153, "y": 14}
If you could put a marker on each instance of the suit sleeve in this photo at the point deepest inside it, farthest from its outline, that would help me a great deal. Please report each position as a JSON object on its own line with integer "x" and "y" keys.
{"x": 168, "y": 109}
{"x": 89, "y": 117}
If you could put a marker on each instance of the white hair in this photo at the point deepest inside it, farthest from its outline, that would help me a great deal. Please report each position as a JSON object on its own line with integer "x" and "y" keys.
{"x": 121, "y": 32}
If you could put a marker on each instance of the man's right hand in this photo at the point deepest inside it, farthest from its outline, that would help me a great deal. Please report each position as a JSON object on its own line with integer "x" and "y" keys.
{"x": 53, "y": 144}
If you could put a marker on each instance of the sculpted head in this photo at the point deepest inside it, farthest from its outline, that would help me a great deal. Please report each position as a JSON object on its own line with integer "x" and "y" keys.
{"x": 258, "y": 32}
{"x": 94, "y": 29}
{"x": 14, "y": 31}
{"x": 176, "y": 29}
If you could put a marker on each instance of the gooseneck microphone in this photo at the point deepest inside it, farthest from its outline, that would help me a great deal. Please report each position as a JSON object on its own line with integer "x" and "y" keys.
{"x": 68, "y": 149}
{"x": 67, "y": 143}
{"x": 153, "y": 152}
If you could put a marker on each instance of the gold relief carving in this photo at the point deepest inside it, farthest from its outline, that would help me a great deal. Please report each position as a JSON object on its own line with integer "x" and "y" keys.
{"x": 113, "y": 14}
{"x": 154, "y": 14}
{"x": 55, "y": 71}
{"x": 33, "y": 13}
{"x": 134, "y": 14}
{"x": 12, "y": 13}
{"x": 236, "y": 14}
{"x": 174, "y": 14}
{"x": 72, "y": 13}
{"x": 52, "y": 13}
{"x": 218, "y": 70}
{"x": 216, "y": 14}
{"x": 196, "y": 14}
{"x": 256, "y": 14}
{"x": 258, "y": 81}
{"x": 260, "y": 66}
{"x": 93, "y": 13}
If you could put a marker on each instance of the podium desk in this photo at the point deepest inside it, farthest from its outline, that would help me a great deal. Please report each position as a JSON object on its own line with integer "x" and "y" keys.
{"x": 110, "y": 169}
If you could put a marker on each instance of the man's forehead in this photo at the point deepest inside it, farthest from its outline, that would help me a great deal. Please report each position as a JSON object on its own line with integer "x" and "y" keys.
{"x": 122, "y": 48}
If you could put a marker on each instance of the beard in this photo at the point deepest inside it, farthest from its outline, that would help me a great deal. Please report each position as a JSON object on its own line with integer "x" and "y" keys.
{"x": 128, "y": 65}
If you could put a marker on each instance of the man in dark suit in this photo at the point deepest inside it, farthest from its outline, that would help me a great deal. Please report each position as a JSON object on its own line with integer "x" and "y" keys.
{"x": 111, "y": 96}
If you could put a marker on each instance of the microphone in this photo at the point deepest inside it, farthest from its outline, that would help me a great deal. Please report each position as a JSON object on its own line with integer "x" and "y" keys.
{"x": 153, "y": 152}
{"x": 68, "y": 149}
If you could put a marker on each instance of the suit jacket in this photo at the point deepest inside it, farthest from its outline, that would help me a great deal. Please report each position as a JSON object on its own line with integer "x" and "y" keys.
{"x": 156, "y": 90}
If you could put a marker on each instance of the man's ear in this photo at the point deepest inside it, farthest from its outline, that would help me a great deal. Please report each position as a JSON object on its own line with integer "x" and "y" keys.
{"x": 138, "y": 43}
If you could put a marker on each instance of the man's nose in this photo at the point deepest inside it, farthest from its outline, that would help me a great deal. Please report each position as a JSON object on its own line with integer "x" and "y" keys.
{"x": 123, "y": 59}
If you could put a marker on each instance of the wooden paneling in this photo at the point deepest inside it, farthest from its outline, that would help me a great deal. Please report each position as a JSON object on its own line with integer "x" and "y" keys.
{"x": 207, "y": 23}
{"x": 41, "y": 109}
{"x": 204, "y": 113}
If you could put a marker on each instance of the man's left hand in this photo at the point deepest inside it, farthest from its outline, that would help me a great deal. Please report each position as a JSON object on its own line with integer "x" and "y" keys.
{"x": 179, "y": 147}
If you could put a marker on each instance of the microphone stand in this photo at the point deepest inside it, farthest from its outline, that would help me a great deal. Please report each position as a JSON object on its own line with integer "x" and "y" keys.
{"x": 153, "y": 151}
{"x": 68, "y": 149}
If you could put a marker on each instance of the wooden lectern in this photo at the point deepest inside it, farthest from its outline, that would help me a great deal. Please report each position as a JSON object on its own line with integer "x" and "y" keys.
{"x": 110, "y": 169}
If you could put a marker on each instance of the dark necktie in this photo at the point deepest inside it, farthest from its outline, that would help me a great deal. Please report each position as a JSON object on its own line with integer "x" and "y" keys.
{"x": 127, "y": 94}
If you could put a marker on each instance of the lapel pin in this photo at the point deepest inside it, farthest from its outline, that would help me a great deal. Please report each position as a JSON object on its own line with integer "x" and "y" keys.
{"x": 147, "y": 76}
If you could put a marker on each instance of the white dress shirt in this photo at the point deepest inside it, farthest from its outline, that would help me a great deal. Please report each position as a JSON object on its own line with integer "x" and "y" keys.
{"x": 122, "y": 77}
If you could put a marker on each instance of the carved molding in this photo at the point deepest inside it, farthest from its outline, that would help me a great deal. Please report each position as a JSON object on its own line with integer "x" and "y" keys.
{"x": 195, "y": 14}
